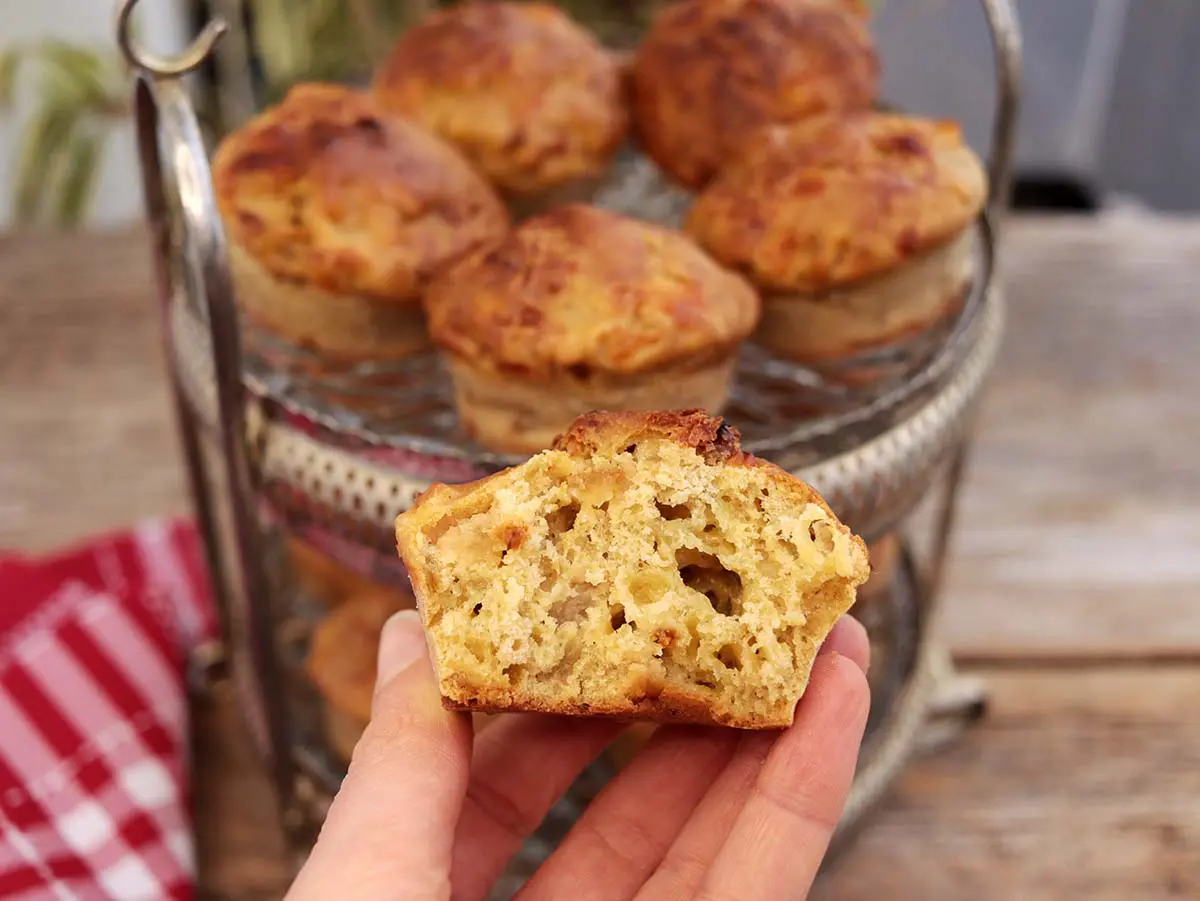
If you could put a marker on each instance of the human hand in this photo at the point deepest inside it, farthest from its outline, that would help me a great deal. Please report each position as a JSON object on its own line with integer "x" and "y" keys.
{"x": 701, "y": 814}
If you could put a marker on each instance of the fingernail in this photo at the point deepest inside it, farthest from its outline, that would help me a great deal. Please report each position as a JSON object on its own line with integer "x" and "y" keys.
{"x": 401, "y": 644}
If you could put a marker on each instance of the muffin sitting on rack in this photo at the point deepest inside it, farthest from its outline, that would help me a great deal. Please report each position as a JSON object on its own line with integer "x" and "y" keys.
{"x": 581, "y": 309}
{"x": 856, "y": 229}
{"x": 341, "y": 662}
{"x": 530, "y": 97}
{"x": 336, "y": 216}
{"x": 322, "y": 578}
{"x": 711, "y": 71}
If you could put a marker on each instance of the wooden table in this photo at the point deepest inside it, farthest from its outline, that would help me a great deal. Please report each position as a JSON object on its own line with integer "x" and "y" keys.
{"x": 1075, "y": 587}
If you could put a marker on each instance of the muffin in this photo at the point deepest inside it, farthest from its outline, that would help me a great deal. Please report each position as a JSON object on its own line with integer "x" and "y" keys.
{"x": 530, "y": 97}
{"x": 337, "y": 216}
{"x": 856, "y": 230}
{"x": 644, "y": 568}
{"x": 322, "y": 578}
{"x": 342, "y": 659}
{"x": 581, "y": 309}
{"x": 710, "y": 72}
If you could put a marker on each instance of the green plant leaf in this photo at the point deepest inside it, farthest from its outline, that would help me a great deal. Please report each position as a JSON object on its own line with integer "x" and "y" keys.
{"x": 79, "y": 170}
{"x": 43, "y": 145}
{"x": 89, "y": 65}
{"x": 10, "y": 66}
{"x": 279, "y": 33}
{"x": 73, "y": 76}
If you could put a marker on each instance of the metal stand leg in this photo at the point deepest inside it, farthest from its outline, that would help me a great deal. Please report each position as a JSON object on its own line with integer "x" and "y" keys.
{"x": 955, "y": 702}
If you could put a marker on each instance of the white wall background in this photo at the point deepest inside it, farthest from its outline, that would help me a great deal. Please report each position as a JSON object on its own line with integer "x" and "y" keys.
{"x": 160, "y": 22}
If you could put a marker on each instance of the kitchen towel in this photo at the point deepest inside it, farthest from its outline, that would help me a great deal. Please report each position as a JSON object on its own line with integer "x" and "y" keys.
{"x": 94, "y": 799}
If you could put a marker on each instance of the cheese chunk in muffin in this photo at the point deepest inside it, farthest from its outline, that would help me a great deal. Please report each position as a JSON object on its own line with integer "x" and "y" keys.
{"x": 644, "y": 567}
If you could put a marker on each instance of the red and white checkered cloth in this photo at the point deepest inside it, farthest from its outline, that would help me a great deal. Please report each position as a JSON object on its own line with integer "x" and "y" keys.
{"x": 94, "y": 797}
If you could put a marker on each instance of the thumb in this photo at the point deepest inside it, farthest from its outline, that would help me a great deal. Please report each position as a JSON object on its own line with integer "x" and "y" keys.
{"x": 390, "y": 831}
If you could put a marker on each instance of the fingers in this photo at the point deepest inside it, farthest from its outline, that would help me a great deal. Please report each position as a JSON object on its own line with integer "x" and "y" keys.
{"x": 682, "y": 871}
{"x": 624, "y": 834}
{"x": 849, "y": 638}
{"x": 390, "y": 830}
{"x": 780, "y": 837}
{"x": 521, "y": 767}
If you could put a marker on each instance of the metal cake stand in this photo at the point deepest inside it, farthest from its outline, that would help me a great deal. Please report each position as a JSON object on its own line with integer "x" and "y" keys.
{"x": 334, "y": 459}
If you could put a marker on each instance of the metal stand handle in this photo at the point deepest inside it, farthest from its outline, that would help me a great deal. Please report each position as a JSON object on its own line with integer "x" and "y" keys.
{"x": 192, "y": 268}
{"x": 1005, "y": 32}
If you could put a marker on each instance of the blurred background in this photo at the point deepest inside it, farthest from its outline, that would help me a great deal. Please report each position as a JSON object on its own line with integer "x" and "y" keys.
{"x": 1110, "y": 111}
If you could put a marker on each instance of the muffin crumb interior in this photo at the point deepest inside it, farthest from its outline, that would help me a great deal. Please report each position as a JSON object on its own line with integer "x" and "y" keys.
{"x": 642, "y": 573}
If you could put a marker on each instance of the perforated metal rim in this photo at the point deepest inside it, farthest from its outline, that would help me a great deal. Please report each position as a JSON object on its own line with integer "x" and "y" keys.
{"x": 918, "y": 365}
{"x": 870, "y": 487}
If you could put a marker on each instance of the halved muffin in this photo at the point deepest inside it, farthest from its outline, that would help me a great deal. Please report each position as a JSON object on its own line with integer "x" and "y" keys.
{"x": 530, "y": 97}
{"x": 337, "y": 216}
{"x": 581, "y": 309}
{"x": 856, "y": 229}
{"x": 645, "y": 567}
{"x": 710, "y": 72}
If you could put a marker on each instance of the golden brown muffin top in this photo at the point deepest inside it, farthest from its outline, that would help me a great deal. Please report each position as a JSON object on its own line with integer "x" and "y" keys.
{"x": 530, "y": 97}
{"x": 324, "y": 190}
{"x": 602, "y": 432}
{"x": 711, "y": 71}
{"x": 832, "y": 201}
{"x": 580, "y": 289}
{"x": 342, "y": 657}
{"x": 860, "y": 8}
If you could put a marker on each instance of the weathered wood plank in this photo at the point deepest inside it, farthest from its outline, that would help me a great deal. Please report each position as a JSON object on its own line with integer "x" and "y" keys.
{"x": 1081, "y": 517}
{"x": 1078, "y": 784}
{"x": 240, "y": 850}
{"x": 86, "y": 437}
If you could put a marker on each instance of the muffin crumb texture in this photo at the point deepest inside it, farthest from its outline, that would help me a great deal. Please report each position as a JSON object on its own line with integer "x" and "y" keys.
{"x": 644, "y": 567}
